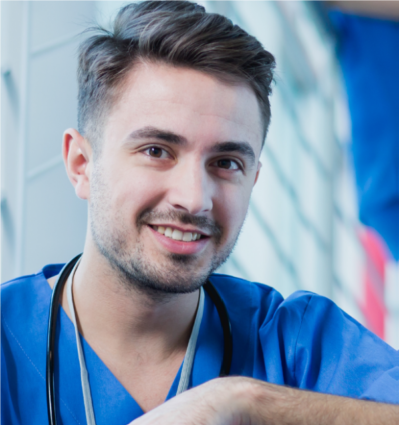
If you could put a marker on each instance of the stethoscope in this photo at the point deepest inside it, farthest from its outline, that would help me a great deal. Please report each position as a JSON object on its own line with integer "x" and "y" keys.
{"x": 51, "y": 333}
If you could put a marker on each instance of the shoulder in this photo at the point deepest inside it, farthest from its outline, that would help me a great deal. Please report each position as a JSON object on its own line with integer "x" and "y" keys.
{"x": 245, "y": 299}
{"x": 254, "y": 295}
{"x": 321, "y": 323}
{"x": 299, "y": 306}
{"x": 257, "y": 299}
{"x": 235, "y": 288}
{"x": 20, "y": 295}
{"x": 25, "y": 305}
{"x": 20, "y": 283}
{"x": 16, "y": 288}
{"x": 24, "y": 316}
{"x": 310, "y": 310}
{"x": 45, "y": 273}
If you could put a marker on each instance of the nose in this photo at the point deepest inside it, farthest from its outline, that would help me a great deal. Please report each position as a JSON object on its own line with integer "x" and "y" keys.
{"x": 191, "y": 188}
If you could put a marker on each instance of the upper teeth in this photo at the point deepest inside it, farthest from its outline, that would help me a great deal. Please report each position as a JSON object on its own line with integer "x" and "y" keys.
{"x": 177, "y": 235}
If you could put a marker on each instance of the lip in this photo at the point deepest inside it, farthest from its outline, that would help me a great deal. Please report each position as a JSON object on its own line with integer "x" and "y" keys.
{"x": 179, "y": 247}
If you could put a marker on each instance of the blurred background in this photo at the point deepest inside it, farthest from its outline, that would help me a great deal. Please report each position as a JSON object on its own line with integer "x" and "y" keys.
{"x": 324, "y": 215}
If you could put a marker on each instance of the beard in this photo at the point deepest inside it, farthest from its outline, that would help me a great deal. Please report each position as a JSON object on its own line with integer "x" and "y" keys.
{"x": 134, "y": 265}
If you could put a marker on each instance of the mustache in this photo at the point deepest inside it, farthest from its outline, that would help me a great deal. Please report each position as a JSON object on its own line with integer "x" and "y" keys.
{"x": 203, "y": 223}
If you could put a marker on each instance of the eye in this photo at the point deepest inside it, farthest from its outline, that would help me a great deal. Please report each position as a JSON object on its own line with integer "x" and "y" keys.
{"x": 157, "y": 152}
{"x": 227, "y": 164}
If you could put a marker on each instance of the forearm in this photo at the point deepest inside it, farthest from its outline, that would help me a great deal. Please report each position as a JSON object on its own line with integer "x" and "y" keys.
{"x": 273, "y": 404}
{"x": 378, "y": 9}
{"x": 246, "y": 401}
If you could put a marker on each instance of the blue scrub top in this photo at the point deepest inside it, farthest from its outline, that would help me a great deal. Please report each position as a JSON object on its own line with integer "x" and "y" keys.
{"x": 369, "y": 56}
{"x": 305, "y": 341}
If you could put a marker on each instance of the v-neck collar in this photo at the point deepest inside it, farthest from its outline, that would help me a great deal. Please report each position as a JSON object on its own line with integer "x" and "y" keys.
{"x": 111, "y": 401}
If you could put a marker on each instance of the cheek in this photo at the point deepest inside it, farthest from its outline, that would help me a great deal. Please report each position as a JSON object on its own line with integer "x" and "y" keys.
{"x": 231, "y": 208}
{"x": 135, "y": 190}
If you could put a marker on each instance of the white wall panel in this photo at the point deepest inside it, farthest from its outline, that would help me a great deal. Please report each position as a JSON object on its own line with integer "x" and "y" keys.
{"x": 55, "y": 20}
{"x": 107, "y": 10}
{"x": 3, "y": 95}
{"x": 42, "y": 220}
{"x": 55, "y": 220}
{"x": 52, "y": 103}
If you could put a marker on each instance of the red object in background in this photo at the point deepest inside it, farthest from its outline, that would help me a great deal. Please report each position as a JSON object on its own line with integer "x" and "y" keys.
{"x": 373, "y": 306}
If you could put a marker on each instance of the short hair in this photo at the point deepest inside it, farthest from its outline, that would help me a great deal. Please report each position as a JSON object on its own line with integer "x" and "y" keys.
{"x": 177, "y": 33}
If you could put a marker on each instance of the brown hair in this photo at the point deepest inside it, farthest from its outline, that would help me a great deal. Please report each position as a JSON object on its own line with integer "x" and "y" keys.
{"x": 179, "y": 33}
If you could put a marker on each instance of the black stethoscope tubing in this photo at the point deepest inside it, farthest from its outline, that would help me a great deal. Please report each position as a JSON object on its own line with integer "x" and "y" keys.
{"x": 52, "y": 326}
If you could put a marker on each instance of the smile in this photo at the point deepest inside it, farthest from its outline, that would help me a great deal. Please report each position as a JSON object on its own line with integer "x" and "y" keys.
{"x": 177, "y": 234}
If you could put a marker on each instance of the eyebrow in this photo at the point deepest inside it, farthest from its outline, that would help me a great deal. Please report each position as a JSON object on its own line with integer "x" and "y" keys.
{"x": 244, "y": 148}
{"x": 156, "y": 133}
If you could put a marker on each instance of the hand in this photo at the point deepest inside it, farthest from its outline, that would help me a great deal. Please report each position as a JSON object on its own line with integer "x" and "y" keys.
{"x": 217, "y": 402}
{"x": 247, "y": 401}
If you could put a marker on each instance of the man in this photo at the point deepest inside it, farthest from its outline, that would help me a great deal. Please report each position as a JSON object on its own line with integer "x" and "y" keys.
{"x": 173, "y": 112}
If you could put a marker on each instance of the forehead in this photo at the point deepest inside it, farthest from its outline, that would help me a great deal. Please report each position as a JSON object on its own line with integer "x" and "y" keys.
{"x": 196, "y": 105}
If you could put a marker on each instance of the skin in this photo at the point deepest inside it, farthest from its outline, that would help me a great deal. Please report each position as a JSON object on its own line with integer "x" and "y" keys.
{"x": 246, "y": 401}
{"x": 377, "y": 9}
{"x": 141, "y": 334}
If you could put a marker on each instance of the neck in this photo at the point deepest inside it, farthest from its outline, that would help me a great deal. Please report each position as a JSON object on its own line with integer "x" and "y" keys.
{"x": 120, "y": 319}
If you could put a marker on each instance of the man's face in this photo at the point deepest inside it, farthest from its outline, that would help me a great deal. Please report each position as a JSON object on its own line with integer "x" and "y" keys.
{"x": 170, "y": 189}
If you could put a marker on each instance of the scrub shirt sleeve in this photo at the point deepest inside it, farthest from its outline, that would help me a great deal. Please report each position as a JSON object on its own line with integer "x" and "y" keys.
{"x": 323, "y": 349}
{"x": 336, "y": 354}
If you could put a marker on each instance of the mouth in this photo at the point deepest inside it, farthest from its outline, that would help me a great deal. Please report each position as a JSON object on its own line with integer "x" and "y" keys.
{"x": 180, "y": 241}
{"x": 178, "y": 234}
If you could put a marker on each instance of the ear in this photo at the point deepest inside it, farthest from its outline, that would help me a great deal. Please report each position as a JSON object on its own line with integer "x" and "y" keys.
{"x": 77, "y": 155}
{"x": 257, "y": 172}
